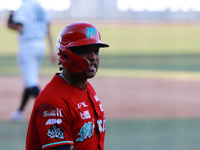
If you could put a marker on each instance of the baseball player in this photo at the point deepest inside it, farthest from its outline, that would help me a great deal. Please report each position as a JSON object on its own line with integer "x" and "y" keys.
{"x": 32, "y": 22}
{"x": 68, "y": 114}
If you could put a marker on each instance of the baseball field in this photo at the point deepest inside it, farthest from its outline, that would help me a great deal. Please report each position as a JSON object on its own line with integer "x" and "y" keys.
{"x": 148, "y": 83}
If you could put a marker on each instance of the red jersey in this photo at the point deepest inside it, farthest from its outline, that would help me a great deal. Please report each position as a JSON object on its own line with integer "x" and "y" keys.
{"x": 64, "y": 114}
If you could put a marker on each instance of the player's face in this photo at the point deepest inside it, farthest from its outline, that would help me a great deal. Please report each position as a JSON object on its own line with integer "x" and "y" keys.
{"x": 91, "y": 53}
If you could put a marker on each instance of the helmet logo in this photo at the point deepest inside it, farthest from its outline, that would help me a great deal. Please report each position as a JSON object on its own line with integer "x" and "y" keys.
{"x": 90, "y": 32}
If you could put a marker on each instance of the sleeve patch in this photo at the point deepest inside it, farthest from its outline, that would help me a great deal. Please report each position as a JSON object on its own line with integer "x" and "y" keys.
{"x": 55, "y": 132}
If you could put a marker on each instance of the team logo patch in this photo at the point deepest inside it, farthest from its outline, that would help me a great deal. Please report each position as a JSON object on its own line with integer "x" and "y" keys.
{"x": 55, "y": 132}
{"x": 53, "y": 121}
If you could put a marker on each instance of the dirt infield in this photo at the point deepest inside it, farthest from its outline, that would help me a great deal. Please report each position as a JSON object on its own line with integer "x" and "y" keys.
{"x": 128, "y": 98}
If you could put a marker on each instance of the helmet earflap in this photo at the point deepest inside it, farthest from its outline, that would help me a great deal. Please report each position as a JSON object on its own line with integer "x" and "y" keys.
{"x": 72, "y": 61}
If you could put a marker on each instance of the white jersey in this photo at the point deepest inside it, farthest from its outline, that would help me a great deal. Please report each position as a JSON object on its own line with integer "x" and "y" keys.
{"x": 34, "y": 18}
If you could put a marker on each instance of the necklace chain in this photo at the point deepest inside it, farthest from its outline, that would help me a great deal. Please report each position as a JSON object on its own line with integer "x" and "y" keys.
{"x": 64, "y": 78}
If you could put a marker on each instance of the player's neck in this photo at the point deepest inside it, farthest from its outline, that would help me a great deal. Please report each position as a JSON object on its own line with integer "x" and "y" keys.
{"x": 74, "y": 81}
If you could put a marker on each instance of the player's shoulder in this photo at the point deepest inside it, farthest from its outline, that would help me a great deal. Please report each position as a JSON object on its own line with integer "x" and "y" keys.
{"x": 50, "y": 88}
{"x": 56, "y": 89}
{"x": 30, "y": 4}
{"x": 89, "y": 86}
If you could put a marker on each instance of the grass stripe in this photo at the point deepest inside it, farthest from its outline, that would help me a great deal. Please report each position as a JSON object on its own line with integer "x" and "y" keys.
{"x": 169, "y": 134}
{"x": 178, "y": 75}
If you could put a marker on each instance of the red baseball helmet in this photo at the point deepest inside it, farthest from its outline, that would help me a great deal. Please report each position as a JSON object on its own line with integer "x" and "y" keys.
{"x": 77, "y": 34}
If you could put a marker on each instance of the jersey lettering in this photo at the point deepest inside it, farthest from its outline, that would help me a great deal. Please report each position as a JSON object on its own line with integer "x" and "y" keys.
{"x": 39, "y": 14}
{"x": 101, "y": 125}
{"x": 96, "y": 98}
{"x": 86, "y": 131}
{"x": 100, "y": 105}
{"x": 81, "y": 104}
{"x": 85, "y": 115}
{"x": 57, "y": 112}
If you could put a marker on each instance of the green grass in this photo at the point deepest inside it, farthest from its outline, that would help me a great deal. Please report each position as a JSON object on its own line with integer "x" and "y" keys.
{"x": 130, "y": 38}
{"x": 153, "y": 134}
{"x": 152, "y": 39}
{"x": 176, "y": 62}
{"x": 13, "y": 136}
{"x": 147, "y": 47}
{"x": 169, "y": 134}
{"x": 166, "y": 63}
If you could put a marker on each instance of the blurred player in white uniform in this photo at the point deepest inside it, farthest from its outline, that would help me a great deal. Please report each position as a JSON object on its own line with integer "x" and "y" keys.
{"x": 32, "y": 22}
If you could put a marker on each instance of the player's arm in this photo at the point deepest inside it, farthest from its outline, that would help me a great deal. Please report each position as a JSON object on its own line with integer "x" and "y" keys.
{"x": 53, "y": 56}
{"x": 63, "y": 147}
{"x": 13, "y": 25}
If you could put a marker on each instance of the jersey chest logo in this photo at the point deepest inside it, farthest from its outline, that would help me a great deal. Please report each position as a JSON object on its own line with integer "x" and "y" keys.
{"x": 82, "y": 104}
{"x": 86, "y": 131}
